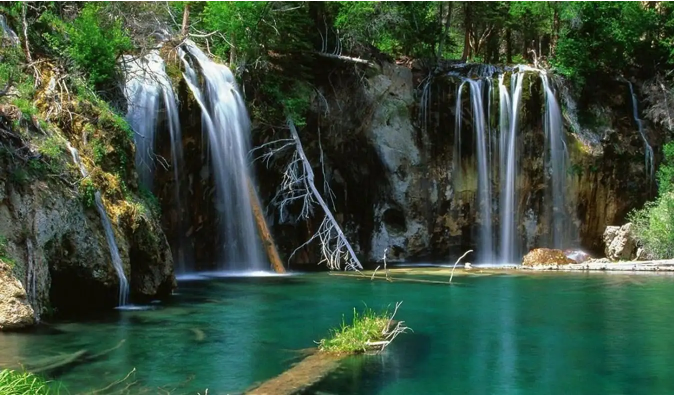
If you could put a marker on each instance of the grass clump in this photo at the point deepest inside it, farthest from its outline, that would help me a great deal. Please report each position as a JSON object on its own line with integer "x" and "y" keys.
{"x": 368, "y": 331}
{"x": 23, "y": 383}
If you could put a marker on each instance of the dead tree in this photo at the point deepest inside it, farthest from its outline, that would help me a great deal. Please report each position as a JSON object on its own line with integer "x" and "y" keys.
{"x": 298, "y": 185}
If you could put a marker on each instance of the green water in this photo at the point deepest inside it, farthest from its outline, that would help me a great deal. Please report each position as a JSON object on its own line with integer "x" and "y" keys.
{"x": 589, "y": 334}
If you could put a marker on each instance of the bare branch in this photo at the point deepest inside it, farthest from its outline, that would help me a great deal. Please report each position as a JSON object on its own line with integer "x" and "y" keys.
{"x": 456, "y": 263}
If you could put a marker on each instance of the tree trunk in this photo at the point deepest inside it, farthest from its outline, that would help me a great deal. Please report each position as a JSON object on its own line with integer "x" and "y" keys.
{"x": 29, "y": 58}
{"x": 555, "y": 32}
{"x": 509, "y": 46}
{"x": 265, "y": 235}
{"x": 446, "y": 19}
{"x": 467, "y": 30}
{"x": 186, "y": 18}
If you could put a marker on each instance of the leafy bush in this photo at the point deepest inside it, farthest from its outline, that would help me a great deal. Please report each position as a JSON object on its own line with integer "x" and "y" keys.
{"x": 87, "y": 192}
{"x": 654, "y": 224}
{"x": 95, "y": 43}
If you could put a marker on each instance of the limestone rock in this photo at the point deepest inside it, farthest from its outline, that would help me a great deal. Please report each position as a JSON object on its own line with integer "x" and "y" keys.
{"x": 620, "y": 243}
{"x": 546, "y": 256}
{"x": 398, "y": 226}
{"x": 15, "y": 311}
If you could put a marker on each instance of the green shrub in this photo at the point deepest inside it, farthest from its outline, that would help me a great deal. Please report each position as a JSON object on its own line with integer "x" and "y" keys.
{"x": 87, "y": 192}
{"x": 24, "y": 383}
{"x": 654, "y": 224}
{"x": 95, "y": 42}
{"x": 4, "y": 254}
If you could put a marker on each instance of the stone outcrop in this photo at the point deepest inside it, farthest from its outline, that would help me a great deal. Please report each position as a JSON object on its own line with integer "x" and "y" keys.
{"x": 15, "y": 311}
{"x": 620, "y": 243}
{"x": 399, "y": 225}
{"x": 60, "y": 250}
{"x": 546, "y": 256}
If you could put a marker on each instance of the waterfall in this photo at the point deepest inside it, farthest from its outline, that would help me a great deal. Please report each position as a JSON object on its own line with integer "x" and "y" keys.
{"x": 7, "y": 33}
{"x": 486, "y": 247}
{"x": 557, "y": 160}
{"x": 508, "y": 167}
{"x": 147, "y": 87}
{"x": 227, "y": 127}
{"x": 648, "y": 149}
{"x": 109, "y": 234}
{"x": 456, "y": 158}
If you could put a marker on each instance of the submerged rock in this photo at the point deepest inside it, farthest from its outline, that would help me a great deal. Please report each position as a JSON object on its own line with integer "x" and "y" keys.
{"x": 546, "y": 256}
{"x": 15, "y": 311}
{"x": 620, "y": 243}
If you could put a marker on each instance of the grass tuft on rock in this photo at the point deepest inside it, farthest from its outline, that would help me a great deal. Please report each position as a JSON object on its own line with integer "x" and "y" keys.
{"x": 368, "y": 331}
{"x": 24, "y": 383}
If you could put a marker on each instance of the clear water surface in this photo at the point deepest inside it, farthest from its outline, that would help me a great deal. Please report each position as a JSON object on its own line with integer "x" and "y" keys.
{"x": 546, "y": 334}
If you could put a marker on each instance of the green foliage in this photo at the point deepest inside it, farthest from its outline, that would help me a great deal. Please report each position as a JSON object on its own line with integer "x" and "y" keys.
{"x": 95, "y": 42}
{"x": 150, "y": 200}
{"x": 52, "y": 147}
{"x": 367, "y": 326}
{"x": 87, "y": 192}
{"x": 603, "y": 37}
{"x": 654, "y": 224}
{"x": 4, "y": 254}
{"x": 24, "y": 383}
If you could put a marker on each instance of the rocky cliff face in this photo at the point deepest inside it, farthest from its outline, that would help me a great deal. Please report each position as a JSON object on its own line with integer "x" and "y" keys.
{"x": 424, "y": 209}
{"x": 60, "y": 253}
{"x": 51, "y": 236}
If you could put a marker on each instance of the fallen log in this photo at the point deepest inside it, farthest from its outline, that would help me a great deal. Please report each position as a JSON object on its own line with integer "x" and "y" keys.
{"x": 301, "y": 376}
{"x": 265, "y": 235}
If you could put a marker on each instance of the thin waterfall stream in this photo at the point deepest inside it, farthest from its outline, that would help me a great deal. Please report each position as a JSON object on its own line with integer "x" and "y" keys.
{"x": 109, "y": 233}
{"x": 648, "y": 153}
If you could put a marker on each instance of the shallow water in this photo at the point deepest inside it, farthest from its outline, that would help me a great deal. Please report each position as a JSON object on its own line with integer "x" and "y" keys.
{"x": 561, "y": 333}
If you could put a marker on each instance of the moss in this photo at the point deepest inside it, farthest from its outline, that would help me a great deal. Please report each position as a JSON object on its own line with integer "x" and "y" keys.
{"x": 4, "y": 254}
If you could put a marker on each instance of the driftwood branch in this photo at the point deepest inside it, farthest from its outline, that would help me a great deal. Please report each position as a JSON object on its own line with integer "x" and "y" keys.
{"x": 331, "y": 256}
{"x": 347, "y": 59}
{"x": 456, "y": 263}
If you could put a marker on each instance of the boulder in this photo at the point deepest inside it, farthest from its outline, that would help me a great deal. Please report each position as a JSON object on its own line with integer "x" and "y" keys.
{"x": 619, "y": 243}
{"x": 15, "y": 311}
{"x": 546, "y": 256}
{"x": 577, "y": 255}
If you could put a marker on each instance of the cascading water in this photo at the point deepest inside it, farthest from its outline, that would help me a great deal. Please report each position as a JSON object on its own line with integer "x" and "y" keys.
{"x": 109, "y": 234}
{"x": 456, "y": 174}
{"x": 7, "y": 34}
{"x": 497, "y": 159}
{"x": 227, "y": 127}
{"x": 147, "y": 87}
{"x": 508, "y": 165}
{"x": 483, "y": 181}
{"x": 648, "y": 149}
{"x": 557, "y": 160}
